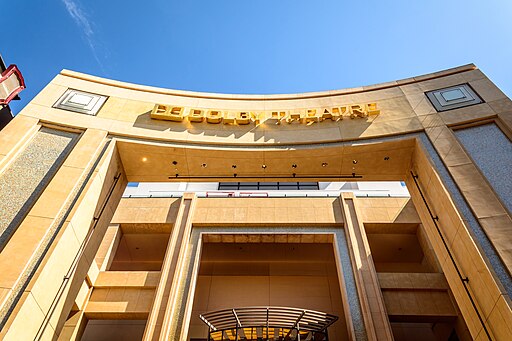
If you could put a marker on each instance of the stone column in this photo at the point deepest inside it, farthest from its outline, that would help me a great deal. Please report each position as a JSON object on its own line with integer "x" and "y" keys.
{"x": 452, "y": 227}
{"x": 372, "y": 302}
{"x": 159, "y": 321}
{"x": 108, "y": 247}
{"x": 56, "y": 242}
{"x": 75, "y": 325}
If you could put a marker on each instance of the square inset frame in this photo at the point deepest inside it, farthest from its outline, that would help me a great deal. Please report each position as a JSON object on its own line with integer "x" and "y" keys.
{"x": 81, "y": 102}
{"x": 454, "y": 97}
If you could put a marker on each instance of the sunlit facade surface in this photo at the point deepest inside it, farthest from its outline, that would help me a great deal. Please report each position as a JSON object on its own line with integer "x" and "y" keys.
{"x": 130, "y": 212}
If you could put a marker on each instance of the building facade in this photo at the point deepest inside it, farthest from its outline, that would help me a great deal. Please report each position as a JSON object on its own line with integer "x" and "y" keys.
{"x": 79, "y": 261}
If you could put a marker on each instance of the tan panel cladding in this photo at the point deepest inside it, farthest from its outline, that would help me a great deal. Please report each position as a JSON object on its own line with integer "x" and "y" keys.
{"x": 158, "y": 214}
{"x": 412, "y": 305}
{"x": 372, "y": 303}
{"x": 265, "y": 211}
{"x": 158, "y": 319}
{"x": 120, "y": 303}
{"x": 127, "y": 279}
{"x": 147, "y": 212}
{"x": 24, "y": 180}
{"x": 388, "y": 210}
{"x": 66, "y": 231}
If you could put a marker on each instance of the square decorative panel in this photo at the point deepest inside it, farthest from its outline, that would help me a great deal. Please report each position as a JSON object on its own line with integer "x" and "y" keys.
{"x": 454, "y": 97}
{"x": 79, "y": 101}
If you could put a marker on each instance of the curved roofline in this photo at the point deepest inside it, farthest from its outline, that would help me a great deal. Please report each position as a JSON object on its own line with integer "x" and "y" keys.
{"x": 247, "y": 97}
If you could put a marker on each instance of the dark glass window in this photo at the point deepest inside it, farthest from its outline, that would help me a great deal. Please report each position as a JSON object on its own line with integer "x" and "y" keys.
{"x": 267, "y": 186}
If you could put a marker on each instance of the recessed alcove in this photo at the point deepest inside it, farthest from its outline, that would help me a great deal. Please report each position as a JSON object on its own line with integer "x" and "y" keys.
{"x": 114, "y": 330}
{"x": 418, "y": 300}
{"x": 140, "y": 252}
{"x": 399, "y": 248}
{"x": 300, "y": 275}
{"x": 427, "y": 331}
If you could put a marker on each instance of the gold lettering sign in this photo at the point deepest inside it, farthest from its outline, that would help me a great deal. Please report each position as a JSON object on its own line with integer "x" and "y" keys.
{"x": 230, "y": 117}
{"x": 195, "y": 115}
{"x": 243, "y": 117}
{"x": 214, "y": 116}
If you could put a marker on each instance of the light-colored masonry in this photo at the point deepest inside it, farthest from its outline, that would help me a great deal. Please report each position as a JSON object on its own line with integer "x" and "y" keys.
{"x": 79, "y": 262}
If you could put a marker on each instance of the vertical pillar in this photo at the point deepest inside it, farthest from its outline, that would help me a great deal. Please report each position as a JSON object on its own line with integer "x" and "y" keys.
{"x": 452, "y": 228}
{"x": 74, "y": 326}
{"x": 60, "y": 237}
{"x": 180, "y": 303}
{"x": 374, "y": 311}
{"x": 108, "y": 247}
{"x": 159, "y": 323}
{"x": 76, "y": 323}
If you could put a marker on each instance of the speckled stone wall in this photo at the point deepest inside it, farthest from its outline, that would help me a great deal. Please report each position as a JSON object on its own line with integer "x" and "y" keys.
{"x": 491, "y": 150}
{"x": 27, "y": 176}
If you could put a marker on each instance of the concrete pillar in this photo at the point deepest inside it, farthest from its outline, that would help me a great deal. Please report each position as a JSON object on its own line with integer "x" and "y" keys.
{"x": 160, "y": 321}
{"x": 77, "y": 206}
{"x": 374, "y": 311}
{"x": 447, "y": 220}
{"x": 108, "y": 247}
{"x": 76, "y": 322}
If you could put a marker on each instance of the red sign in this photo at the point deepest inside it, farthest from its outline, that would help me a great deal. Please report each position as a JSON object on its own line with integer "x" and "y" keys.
{"x": 11, "y": 84}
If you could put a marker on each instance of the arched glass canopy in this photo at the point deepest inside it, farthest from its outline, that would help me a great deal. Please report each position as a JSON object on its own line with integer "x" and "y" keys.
{"x": 267, "y": 323}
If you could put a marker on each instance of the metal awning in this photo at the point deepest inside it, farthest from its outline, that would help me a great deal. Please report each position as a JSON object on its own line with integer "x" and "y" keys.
{"x": 278, "y": 317}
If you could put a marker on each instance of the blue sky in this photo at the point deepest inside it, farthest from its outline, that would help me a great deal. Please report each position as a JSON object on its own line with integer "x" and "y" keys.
{"x": 243, "y": 46}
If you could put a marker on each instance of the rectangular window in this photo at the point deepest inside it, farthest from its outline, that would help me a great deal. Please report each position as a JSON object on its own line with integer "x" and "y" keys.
{"x": 267, "y": 186}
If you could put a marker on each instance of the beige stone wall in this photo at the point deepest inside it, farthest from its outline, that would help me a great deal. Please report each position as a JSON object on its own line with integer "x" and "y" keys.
{"x": 80, "y": 178}
{"x": 146, "y": 210}
{"x": 488, "y": 293}
{"x": 263, "y": 212}
{"x": 268, "y": 212}
{"x": 144, "y": 149}
{"x": 205, "y": 294}
{"x": 404, "y": 108}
